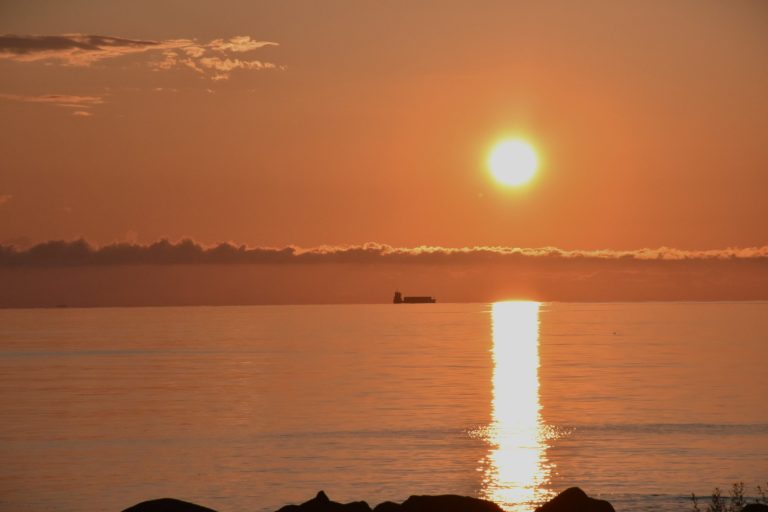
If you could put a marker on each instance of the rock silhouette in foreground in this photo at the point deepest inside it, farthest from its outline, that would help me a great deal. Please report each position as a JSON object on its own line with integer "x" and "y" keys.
{"x": 446, "y": 503}
{"x": 755, "y": 507}
{"x": 575, "y": 500}
{"x": 321, "y": 503}
{"x": 167, "y": 505}
{"x": 570, "y": 500}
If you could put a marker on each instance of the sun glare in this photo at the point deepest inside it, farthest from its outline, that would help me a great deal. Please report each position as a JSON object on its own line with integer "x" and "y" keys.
{"x": 513, "y": 162}
{"x": 516, "y": 471}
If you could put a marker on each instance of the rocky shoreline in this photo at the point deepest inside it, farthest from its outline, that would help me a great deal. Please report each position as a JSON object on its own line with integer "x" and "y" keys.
{"x": 570, "y": 500}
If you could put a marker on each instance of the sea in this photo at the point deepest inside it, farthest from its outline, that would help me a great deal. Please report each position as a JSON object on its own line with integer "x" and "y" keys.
{"x": 251, "y": 408}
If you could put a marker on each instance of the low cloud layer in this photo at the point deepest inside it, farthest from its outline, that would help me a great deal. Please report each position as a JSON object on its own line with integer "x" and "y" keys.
{"x": 187, "y": 251}
{"x": 187, "y": 273}
{"x": 215, "y": 59}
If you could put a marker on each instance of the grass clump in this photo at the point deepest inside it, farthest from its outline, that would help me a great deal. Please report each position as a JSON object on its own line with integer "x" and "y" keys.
{"x": 734, "y": 502}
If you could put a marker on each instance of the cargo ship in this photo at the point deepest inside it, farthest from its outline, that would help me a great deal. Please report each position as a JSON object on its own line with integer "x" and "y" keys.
{"x": 399, "y": 299}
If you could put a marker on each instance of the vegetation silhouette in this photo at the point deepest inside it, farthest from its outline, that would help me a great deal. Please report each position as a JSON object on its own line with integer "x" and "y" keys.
{"x": 736, "y": 501}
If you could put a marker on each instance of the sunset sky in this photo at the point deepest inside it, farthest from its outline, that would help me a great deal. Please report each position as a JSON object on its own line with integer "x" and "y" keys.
{"x": 373, "y": 125}
{"x": 310, "y": 123}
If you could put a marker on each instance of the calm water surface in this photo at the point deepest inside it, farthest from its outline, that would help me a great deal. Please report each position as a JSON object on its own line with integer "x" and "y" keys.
{"x": 249, "y": 408}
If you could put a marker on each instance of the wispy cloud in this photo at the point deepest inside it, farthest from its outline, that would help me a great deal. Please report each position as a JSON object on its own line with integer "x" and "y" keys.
{"x": 61, "y": 100}
{"x": 223, "y": 67}
{"x": 81, "y": 103}
{"x": 215, "y": 59}
{"x": 238, "y": 44}
{"x": 74, "y": 49}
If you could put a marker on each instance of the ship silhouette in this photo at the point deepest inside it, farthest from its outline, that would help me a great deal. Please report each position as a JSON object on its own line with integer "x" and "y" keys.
{"x": 399, "y": 299}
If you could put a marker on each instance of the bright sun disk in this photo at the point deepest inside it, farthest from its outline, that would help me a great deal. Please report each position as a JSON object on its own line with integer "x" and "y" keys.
{"x": 513, "y": 162}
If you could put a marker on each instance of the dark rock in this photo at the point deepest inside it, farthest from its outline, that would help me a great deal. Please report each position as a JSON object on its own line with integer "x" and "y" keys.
{"x": 387, "y": 506}
{"x": 357, "y": 506}
{"x": 755, "y": 507}
{"x": 167, "y": 505}
{"x": 570, "y": 500}
{"x": 448, "y": 503}
{"x": 321, "y": 503}
{"x": 575, "y": 500}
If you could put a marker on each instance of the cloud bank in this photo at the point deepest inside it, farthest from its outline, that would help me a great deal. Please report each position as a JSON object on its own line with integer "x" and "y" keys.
{"x": 215, "y": 59}
{"x": 188, "y": 273}
{"x": 189, "y": 252}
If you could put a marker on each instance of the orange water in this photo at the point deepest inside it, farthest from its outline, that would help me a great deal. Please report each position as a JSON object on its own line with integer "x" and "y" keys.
{"x": 249, "y": 408}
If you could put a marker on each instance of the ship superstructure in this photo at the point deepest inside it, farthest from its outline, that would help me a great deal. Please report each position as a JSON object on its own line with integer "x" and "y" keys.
{"x": 399, "y": 299}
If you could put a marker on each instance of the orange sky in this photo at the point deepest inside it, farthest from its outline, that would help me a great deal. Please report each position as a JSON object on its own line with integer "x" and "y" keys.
{"x": 370, "y": 121}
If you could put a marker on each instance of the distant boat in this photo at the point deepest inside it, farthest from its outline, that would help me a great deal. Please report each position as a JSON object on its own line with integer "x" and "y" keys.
{"x": 399, "y": 299}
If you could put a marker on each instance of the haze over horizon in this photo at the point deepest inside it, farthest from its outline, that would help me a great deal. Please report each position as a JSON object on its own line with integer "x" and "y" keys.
{"x": 186, "y": 273}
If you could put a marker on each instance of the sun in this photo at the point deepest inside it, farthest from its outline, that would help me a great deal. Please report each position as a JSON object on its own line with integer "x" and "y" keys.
{"x": 513, "y": 162}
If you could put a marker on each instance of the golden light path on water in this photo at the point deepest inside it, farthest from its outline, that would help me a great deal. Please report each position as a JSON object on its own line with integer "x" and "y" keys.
{"x": 515, "y": 469}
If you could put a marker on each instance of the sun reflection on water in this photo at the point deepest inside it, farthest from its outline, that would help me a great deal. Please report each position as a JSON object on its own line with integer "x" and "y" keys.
{"x": 516, "y": 470}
